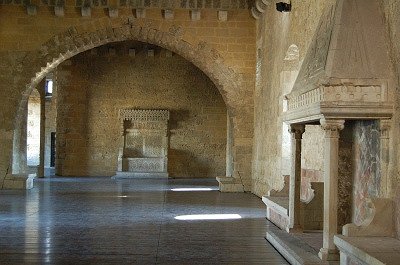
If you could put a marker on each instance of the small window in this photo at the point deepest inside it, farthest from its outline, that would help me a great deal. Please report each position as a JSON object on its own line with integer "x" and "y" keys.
{"x": 49, "y": 88}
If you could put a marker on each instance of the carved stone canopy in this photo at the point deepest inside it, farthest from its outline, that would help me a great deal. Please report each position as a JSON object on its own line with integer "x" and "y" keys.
{"x": 346, "y": 73}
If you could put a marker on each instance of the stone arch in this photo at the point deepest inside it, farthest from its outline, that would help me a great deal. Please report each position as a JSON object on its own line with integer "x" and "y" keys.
{"x": 78, "y": 39}
{"x": 99, "y": 32}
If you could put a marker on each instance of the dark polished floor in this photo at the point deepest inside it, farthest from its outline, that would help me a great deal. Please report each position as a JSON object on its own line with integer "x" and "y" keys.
{"x": 104, "y": 221}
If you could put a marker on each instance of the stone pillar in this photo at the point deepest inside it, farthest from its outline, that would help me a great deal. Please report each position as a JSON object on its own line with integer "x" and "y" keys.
{"x": 229, "y": 146}
{"x": 384, "y": 128}
{"x": 331, "y": 158}
{"x": 19, "y": 162}
{"x": 296, "y": 131}
{"x": 122, "y": 146}
{"x": 40, "y": 170}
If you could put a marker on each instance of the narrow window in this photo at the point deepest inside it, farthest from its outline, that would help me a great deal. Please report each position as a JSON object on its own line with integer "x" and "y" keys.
{"x": 49, "y": 87}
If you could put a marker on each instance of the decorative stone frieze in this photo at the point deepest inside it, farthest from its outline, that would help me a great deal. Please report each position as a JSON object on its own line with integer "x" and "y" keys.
{"x": 341, "y": 101}
{"x": 144, "y": 115}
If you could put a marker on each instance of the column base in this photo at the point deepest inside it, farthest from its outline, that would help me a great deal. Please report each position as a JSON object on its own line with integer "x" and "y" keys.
{"x": 329, "y": 254}
{"x": 18, "y": 182}
{"x": 229, "y": 184}
{"x": 295, "y": 229}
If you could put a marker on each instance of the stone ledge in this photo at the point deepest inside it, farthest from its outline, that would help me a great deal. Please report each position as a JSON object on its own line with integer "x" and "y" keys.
{"x": 368, "y": 250}
{"x": 277, "y": 210}
{"x": 131, "y": 175}
{"x": 18, "y": 182}
{"x": 294, "y": 250}
{"x": 230, "y": 184}
{"x": 278, "y": 204}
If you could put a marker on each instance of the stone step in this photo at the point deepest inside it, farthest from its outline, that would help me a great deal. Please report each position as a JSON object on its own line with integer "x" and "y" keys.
{"x": 128, "y": 175}
{"x": 294, "y": 250}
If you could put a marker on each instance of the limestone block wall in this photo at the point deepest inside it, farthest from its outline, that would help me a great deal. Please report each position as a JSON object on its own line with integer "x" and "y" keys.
{"x": 223, "y": 48}
{"x": 276, "y": 32}
{"x": 96, "y": 84}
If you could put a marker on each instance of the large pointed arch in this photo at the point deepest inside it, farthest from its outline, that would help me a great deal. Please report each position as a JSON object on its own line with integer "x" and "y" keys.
{"x": 99, "y": 32}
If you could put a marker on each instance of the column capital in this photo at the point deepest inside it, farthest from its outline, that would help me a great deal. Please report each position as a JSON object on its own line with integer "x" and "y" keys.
{"x": 332, "y": 127}
{"x": 297, "y": 130}
{"x": 384, "y": 127}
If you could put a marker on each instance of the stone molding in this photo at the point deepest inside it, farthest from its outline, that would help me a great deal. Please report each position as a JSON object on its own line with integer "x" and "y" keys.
{"x": 169, "y": 4}
{"x": 259, "y": 7}
{"x": 339, "y": 93}
{"x": 340, "y": 101}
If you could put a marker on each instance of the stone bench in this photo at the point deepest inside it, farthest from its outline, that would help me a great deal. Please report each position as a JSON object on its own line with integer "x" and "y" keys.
{"x": 311, "y": 214}
{"x": 373, "y": 241}
{"x": 19, "y": 181}
{"x": 368, "y": 250}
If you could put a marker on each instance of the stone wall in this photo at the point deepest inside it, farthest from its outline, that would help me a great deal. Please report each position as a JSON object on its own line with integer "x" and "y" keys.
{"x": 222, "y": 45}
{"x": 392, "y": 9}
{"x": 276, "y": 32}
{"x": 96, "y": 84}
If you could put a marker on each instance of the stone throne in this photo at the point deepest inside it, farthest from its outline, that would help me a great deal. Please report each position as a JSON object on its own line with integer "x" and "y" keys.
{"x": 143, "y": 148}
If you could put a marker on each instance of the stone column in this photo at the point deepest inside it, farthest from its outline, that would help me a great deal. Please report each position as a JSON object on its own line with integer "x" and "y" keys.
{"x": 229, "y": 146}
{"x": 296, "y": 131}
{"x": 331, "y": 158}
{"x": 121, "y": 146}
{"x": 384, "y": 128}
{"x": 40, "y": 170}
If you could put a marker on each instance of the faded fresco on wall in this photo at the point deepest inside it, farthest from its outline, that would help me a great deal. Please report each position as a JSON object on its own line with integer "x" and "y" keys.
{"x": 366, "y": 146}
